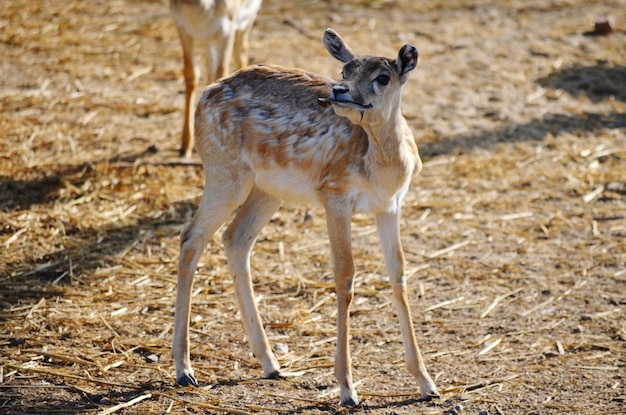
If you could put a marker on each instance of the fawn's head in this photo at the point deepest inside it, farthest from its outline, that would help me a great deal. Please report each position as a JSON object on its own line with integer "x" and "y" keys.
{"x": 371, "y": 89}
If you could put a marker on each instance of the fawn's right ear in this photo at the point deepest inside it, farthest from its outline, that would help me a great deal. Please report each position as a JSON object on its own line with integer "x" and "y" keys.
{"x": 407, "y": 61}
{"x": 337, "y": 47}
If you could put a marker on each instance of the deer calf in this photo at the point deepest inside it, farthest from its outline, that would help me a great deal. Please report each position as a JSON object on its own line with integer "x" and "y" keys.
{"x": 269, "y": 134}
{"x": 221, "y": 28}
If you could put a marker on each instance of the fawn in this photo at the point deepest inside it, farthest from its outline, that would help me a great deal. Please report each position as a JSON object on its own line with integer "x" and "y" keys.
{"x": 269, "y": 134}
{"x": 221, "y": 28}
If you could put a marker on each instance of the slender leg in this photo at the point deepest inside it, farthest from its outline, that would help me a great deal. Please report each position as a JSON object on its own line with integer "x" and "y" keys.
{"x": 219, "y": 52}
{"x": 190, "y": 86}
{"x": 211, "y": 58}
{"x": 388, "y": 230}
{"x": 338, "y": 222}
{"x": 212, "y": 213}
{"x": 241, "y": 48}
{"x": 239, "y": 239}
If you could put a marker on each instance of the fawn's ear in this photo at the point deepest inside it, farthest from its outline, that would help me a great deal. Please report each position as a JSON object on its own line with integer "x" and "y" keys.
{"x": 407, "y": 61}
{"x": 337, "y": 47}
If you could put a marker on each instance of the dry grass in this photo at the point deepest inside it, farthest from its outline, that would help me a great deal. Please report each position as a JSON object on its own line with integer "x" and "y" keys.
{"x": 514, "y": 231}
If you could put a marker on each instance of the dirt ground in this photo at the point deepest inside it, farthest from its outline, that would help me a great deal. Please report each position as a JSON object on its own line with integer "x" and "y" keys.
{"x": 514, "y": 232}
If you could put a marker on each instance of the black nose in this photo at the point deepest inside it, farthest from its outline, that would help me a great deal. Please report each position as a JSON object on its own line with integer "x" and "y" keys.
{"x": 340, "y": 89}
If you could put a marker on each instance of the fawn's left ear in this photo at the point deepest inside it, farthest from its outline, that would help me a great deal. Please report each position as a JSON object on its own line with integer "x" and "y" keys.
{"x": 407, "y": 61}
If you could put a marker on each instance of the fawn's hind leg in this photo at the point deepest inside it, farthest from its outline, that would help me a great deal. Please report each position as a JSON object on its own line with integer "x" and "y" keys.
{"x": 238, "y": 240}
{"x": 214, "y": 209}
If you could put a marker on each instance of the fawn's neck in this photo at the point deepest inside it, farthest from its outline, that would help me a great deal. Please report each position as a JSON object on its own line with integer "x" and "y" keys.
{"x": 391, "y": 146}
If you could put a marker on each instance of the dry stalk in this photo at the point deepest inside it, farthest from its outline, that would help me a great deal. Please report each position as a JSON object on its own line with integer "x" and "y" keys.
{"x": 57, "y": 356}
{"x": 125, "y": 404}
{"x": 449, "y": 249}
{"x": 66, "y": 375}
{"x": 496, "y": 301}
{"x": 202, "y": 405}
{"x": 480, "y": 385}
{"x": 87, "y": 214}
{"x": 444, "y": 303}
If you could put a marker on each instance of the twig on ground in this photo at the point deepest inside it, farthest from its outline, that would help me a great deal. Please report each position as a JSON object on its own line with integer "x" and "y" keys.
{"x": 496, "y": 301}
{"x": 444, "y": 303}
{"x": 449, "y": 249}
{"x": 125, "y": 404}
{"x": 65, "y": 375}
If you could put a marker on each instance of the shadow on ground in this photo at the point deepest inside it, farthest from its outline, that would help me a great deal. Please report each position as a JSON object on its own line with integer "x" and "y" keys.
{"x": 70, "y": 400}
{"x": 598, "y": 82}
{"x": 535, "y": 130}
{"x": 84, "y": 249}
{"x": 43, "y": 187}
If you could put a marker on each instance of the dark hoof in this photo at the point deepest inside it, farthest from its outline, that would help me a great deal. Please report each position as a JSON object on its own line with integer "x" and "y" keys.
{"x": 187, "y": 380}
{"x": 274, "y": 375}
{"x": 430, "y": 396}
{"x": 349, "y": 402}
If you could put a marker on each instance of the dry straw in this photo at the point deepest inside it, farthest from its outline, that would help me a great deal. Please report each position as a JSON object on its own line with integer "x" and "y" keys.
{"x": 514, "y": 231}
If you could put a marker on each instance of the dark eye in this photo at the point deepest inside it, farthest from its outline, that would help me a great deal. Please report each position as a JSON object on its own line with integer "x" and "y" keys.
{"x": 382, "y": 79}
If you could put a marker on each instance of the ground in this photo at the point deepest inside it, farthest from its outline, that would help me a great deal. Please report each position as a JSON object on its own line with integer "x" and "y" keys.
{"x": 514, "y": 231}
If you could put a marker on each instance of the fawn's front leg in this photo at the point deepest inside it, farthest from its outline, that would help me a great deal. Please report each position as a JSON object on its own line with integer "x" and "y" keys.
{"x": 338, "y": 222}
{"x": 388, "y": 230}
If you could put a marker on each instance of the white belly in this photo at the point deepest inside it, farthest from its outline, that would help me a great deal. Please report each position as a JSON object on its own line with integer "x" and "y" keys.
{"x": 291, "y": 185}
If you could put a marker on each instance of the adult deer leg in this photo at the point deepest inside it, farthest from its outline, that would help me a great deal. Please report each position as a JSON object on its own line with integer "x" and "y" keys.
{"x": 218, "y": 55}
{"x": 191, "y": 81}
{"x": 388, "y": 230}
{"x": 241, "y": 48}
{"x": 239, "y": 239}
